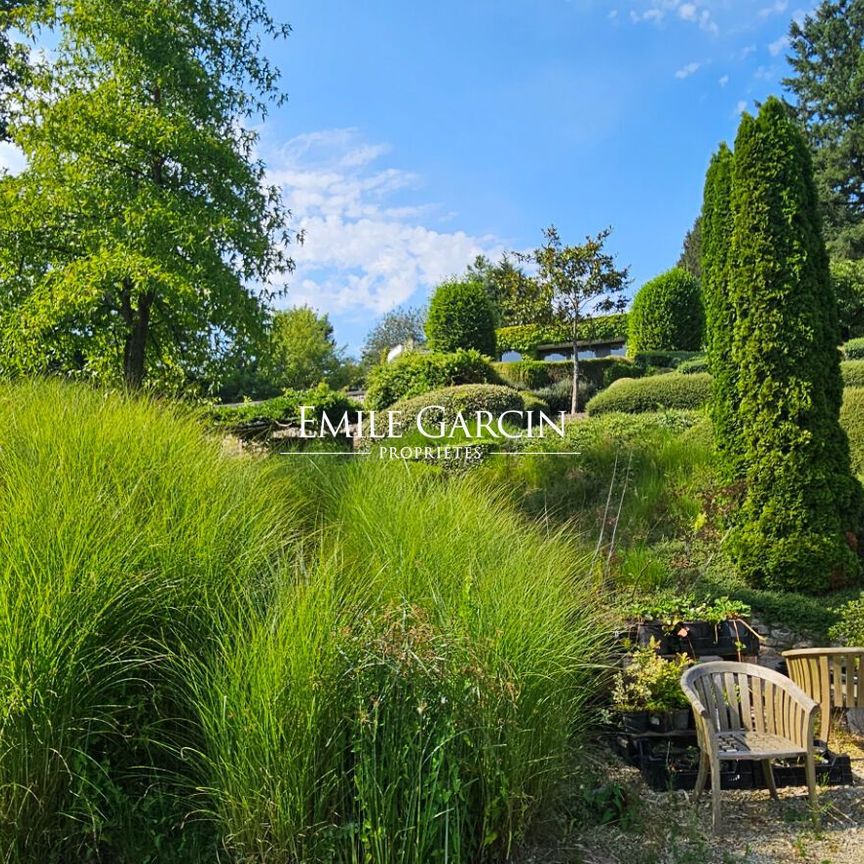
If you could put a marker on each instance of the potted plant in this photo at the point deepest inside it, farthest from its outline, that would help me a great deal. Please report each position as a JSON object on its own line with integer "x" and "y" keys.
{"x": 647, "y": 692}
{"x": 681, "y": 624}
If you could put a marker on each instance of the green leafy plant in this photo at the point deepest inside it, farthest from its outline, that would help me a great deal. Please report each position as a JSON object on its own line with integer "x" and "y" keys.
{"x": 850, "y": 628}
{"x": 649, "y": 682}
{"x": 418, "y": 372}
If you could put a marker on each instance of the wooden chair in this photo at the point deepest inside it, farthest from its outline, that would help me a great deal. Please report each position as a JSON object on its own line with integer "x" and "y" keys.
{"x": 745, "y": 711}
{"x": 831, "y": 676}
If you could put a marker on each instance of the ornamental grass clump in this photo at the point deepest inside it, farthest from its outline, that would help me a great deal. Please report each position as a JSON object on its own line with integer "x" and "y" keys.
{"x": 124, "y": 534}
{"x": 414, "y": 695}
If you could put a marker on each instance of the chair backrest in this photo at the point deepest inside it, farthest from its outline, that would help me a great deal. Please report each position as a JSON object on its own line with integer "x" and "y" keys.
{"x": 831, "y": 676}
{"x": 743, "y": 696}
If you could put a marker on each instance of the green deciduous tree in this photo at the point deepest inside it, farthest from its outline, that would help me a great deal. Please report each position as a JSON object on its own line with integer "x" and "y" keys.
{"x": 132, "y": 242}
{"x": 848, "y": 280}
{"x": 667, "y": 314}
{"x": 517, "y": 297}
{"x": 581, "y": 282}
{"x": 461, "y": 315}
{"x": 800, "y": 498}
{"x": 716, "y": 222}
{"x": 827, "y": 56}
{"x": 301, "y": 351}
{"x": 399, "y": 327}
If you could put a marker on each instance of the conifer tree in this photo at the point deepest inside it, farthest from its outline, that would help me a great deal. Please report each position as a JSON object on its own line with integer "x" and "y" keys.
{"x": 801, "y": 503}
{"x": 716, "y": 223}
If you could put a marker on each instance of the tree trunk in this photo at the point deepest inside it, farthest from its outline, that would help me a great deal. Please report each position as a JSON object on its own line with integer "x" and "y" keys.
{"x": 574, "y": 396}
{"x": 135, "y": 351}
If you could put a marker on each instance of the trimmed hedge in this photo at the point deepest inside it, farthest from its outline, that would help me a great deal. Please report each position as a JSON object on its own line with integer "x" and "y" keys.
{"x": 419, "y": 372}
{"x": 853, "y": 349}
{"x": 657, "y": 392}
{"x": 461, "y": 316}
{"x": 599, "y": 372}
{"x": 667, "y": 314}
{"x": 853, "y": 373}
{"x": 852, "y": 420}
{"x": 694, "y": 365}
{"x": 663, "y": 359}
{"x": 526, "y": 337}
{"x": 281, "y": 410}
{"x": 466, "y": 398}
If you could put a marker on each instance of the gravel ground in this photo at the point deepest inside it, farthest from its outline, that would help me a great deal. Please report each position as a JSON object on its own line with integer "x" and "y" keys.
{"x": 666, "y": 828}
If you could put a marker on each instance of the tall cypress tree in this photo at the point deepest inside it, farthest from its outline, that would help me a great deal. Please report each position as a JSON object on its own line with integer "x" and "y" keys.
{"x": 716, "y": 229}
{"x": 801, "y": 503}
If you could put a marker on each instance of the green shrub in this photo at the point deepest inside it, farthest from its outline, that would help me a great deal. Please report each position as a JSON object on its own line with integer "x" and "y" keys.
{"x": 284, "y": 409}
{"x": 599, "y": 372}
{"x": 850, "y": 628}
{"x": 557, "y": 395}
{"x": 667, "y": 315}
{"x": 466, "y": 398}
{"x": 425, "y": 683}
{"x": 852, "y": 421}
{"x": 633, "y": 395}
{"x": 125, "y": 535}
{"x": 663, "y": 359}
{"x": 621, "y": 370}
{"x": 419, "y": 372}
{"x": 693, "y": 365}
{"x": 524, "y": 374}
{"x": 853, "y": 373}
{"x": 533, "y": 402}
{"x": 854, "y": 349}
{"x": 461, "y": 316}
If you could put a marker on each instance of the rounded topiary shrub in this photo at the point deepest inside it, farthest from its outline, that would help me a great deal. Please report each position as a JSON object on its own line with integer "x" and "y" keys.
{"x": 667, "y": 315}
{"x": 465, "y": 398}
{"x": 461, "y": 316}
{"x": 419, "y": 372}
{"x": 655, "y": 393}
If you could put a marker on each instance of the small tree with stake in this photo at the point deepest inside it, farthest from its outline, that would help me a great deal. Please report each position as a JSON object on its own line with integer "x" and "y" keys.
{"x": 581, "y": 281}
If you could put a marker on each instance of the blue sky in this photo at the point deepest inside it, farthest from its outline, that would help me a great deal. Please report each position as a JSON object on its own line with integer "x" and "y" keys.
{"x": 417, "y": 135}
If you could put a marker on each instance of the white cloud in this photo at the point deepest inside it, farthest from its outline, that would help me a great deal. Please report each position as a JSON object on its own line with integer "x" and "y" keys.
{"x": 778, "y": 45}
{"x": 747, "y": 50}
{"x": 369, "y": 245}
{"x": 11, "y": 158}
{"x": 776, "y": 8}
{"x": 723, "y": 81}
{"x": 692, "y": 12}
{"x": 688, "y": 70}
{"x": 741, "y": 107}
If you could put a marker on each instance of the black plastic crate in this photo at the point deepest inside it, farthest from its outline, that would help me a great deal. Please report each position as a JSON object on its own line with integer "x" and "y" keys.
{"x": 832, "y": 769}
{"x": 732, "y": 638}
{"x": 666, "y": 767}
